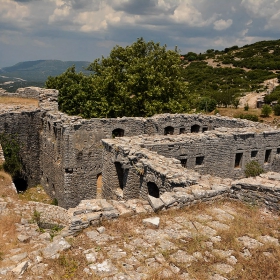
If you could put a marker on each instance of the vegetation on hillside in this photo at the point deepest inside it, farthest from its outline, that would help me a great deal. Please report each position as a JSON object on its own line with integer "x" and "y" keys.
{"x": 145, "y": 79}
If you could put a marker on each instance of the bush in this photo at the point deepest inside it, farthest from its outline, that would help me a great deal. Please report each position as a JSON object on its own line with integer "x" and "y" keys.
{"x": 246, "y": 107}
{"x": 266, "y": 110}
{"x": 11, "y": 149}
{"x": 249, "y": 117}
{"x": 253, "y": 169}
{"x": 276, "y": 110}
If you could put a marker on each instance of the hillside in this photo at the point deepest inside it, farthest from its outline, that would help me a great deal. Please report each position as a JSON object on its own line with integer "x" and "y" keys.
{"x": 233, "y": 72}
{"x": 35, "y": 73}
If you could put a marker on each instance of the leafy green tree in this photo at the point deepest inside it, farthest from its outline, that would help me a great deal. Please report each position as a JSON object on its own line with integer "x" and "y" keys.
{"x": 139, "y": 80}
{"x": 207, "y": 104}
{"x": 266, "y": 110}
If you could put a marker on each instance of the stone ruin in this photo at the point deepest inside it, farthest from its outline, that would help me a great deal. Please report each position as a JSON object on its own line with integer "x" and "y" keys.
{"x": 150, "y": 163}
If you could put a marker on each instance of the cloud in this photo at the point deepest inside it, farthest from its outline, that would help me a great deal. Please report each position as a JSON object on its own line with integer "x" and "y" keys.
{"x": 83, "y": 28}
{"x": 222, "y": 24}
{"x": 12, "y": 11}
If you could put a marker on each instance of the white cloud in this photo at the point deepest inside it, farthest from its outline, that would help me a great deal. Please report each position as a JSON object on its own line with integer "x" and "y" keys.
{"x": 188, "y": 14}
{"x": 222, "y": 24}
{"x": 12, "y": 11}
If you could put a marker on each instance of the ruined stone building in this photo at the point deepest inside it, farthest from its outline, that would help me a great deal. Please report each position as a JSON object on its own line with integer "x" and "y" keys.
{"x": 135, "y": 156}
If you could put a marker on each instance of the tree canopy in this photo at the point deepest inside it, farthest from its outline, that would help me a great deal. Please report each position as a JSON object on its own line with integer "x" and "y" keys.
{"x": 138, "y": 80}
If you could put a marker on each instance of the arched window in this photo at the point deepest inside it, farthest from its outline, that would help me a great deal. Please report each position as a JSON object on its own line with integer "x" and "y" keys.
{"x": 169, "y": 130}
{"x": 153, "y": 190}
{"x": 195, "y": 128}
{"x": 118, "y": 132}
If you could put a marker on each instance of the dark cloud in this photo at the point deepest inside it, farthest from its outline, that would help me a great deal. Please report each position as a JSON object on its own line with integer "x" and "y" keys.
{"x": 143, "y": 7}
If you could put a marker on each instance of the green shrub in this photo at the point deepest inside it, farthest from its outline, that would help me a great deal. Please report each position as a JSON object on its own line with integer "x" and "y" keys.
{"x": 266, "y": 110}
{"x": 249, "y": 117}
{"x": 276, "y": 110}
{"x": 11, "y": 150}
{"x": 253, "y": 169}
{"x": 246, "y": 107}
{"x": 54, "y": 202}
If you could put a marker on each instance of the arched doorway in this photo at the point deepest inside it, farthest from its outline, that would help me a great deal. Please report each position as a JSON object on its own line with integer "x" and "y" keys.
{"x": 118, "y": 132}
{"x": 99, "y": 186}
{"x": 169, "y": 130}
{"x": 153, "y": 189}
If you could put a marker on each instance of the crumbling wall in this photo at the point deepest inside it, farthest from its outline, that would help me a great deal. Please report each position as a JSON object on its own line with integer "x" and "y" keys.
{"x": 25, "y": 126}
{"x": 27, "y": 92}
{"x": 65, "y": 153}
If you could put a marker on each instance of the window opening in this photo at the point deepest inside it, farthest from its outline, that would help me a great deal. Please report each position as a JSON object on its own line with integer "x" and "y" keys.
{"x": 199, "y": 160}
{"x": 118, "y": 132}
{"x": 195, "y": 128}
{"x": 119, "y": 173}
{"x": 238, "y": 160}
{"x": 182, "y": 130}
{"x": 184, "y": 162}
{"x": 169, "y": 130}
{"x": 99, "y": 185}
{"x": 254, "y": 153}
{"x": 267, "y": 156}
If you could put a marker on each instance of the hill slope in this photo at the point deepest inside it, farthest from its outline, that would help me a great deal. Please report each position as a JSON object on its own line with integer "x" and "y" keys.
{"x": 229, "y": 74}
{"x": 35, "y": 73}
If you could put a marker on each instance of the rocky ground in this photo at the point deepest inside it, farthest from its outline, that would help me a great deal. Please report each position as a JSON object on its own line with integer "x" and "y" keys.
{"x": 219, "y": 240}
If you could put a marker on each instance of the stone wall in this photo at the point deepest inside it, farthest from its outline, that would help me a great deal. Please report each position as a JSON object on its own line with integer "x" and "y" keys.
{"x": 28, "y": 92}
{"x": 26, "y": 127}
{"x": 167, "y": 162}
{"x": 64, "y": 153}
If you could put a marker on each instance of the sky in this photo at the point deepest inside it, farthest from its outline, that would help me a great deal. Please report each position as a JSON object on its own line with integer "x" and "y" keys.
{"x": 87, "y": 29}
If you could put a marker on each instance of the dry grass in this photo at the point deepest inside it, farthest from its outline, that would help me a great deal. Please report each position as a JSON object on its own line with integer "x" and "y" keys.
{"x": 18, "y": 101}
{"x": 231, "y": 112}
{"x": 37, "y": 194}
{"x": 5, "y": 186}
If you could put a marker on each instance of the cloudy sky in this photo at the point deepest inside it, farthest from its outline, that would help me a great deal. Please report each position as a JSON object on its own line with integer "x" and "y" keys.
{"x": 87, "y": 29}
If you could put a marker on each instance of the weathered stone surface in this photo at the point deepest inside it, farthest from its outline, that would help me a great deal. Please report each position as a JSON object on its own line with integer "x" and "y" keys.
{"x": 103, "y": 269}
{"x": 21, "y": 268}
{"x": 152, "y": 222}
{"x": 156, "y": 203}
{"x": 53, "y": 249}
{"x": 24, "y": 238}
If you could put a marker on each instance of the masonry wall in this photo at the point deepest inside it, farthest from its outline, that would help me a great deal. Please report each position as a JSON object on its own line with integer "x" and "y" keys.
{"x": 26, "y": 127}
{"x": 64, "y": 152}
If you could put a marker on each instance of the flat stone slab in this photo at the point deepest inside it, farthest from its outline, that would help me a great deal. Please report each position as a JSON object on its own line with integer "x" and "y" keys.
{"x": 168, "y": 198}
{"x": 156, "y": 203}
{"x": 57, "y": 246}
{"x": 152, "y": 222}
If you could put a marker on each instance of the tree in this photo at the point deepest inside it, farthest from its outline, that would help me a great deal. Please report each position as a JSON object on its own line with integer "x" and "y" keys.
{"x": 266, "y": 110}
{"x": 139, "y": 80}
{"x": 207, "y": 104}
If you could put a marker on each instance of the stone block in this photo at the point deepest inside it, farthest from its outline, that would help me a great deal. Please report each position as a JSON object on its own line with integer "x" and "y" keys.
{"x": 168, "y": 199}
{"x": 156, "y": 203}
{"x": 152, "y": 222}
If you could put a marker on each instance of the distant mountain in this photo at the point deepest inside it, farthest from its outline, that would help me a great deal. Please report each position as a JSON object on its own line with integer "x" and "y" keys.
{"x": 35, "y": 73}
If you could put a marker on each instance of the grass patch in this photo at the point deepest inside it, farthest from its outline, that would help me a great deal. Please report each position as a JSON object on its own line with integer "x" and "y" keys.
{"x": 18, "y": 101}
{"x": 37, "y": 194}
